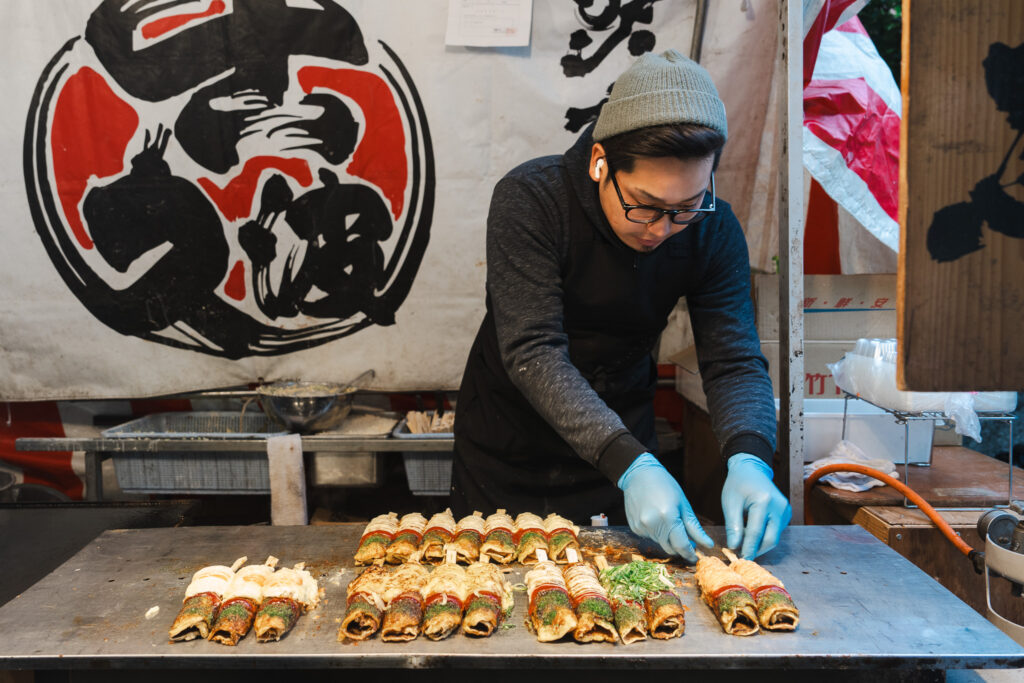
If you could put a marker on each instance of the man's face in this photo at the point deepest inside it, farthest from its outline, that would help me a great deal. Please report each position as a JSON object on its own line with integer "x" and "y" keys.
{"x": 662, "y": 182}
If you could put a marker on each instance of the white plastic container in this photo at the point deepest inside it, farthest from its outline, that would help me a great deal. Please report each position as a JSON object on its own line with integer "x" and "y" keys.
{"x": 875, "y": 431}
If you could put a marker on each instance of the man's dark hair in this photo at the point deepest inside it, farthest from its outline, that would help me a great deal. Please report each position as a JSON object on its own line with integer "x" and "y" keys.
{"x": 679, "y": 140}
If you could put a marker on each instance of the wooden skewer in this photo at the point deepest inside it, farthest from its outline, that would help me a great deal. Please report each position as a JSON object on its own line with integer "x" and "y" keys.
{"x": 636, "y": 558}
{"x": 700, "y": 555}
{"x": 450, "y": 556}
{"x": 542, "y": 555}
{"x": 239, "y": 562}
{"x": 601, "y": 561}
{"x": 299, "y": 566}
{"x": 572, "y": 555}
{"x": 730, "y": 555}
{"x": 271, "y": 561}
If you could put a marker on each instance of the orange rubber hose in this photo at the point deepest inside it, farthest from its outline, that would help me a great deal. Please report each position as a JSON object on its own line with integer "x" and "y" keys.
{"x": 910, "y": 493}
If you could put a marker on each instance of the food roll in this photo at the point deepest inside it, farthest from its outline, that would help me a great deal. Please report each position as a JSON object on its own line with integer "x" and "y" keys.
{"x": 202, "y": 601}
{"x": 440, "y": 530}
{"x": 594, "y": 615}
{"x": 407, "y": 539}
{"x": 469, "y": 536}
{"x": 404, "y": 600}
{"x": 775, "y": 608}
{"x": 727, "y": 596}
{"x": 242, "y": 598}
{"x": 529, "y": 537}
{"x": 445, "y": 595}
{"x": 499, "y": 538}
{"x": 364, "y": 604}
{"x": 377, "y": 536}
{"x": 490, "y": 599}
{"x": 666, "y": 617}
{"x": 287, "y": 594}
{"x": 561, "y": 536}
{"x": 629, "y": 588}
{"x": 550, "y": 613}
{"x": 630, "y": 620}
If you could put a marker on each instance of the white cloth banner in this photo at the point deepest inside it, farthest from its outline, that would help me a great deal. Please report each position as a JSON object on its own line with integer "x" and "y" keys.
{"x": 207, "y": 193}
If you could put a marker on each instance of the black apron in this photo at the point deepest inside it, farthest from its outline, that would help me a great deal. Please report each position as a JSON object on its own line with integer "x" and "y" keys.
{"x": 616, "y": 303}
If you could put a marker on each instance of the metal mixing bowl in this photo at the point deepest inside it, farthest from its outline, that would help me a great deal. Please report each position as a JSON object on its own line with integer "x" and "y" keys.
{"x": 306, "y": 407}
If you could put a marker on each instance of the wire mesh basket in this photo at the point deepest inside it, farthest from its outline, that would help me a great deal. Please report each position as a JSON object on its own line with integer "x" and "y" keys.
{"x": 429, "y": 472}
{"x": 198, "y": 425}
{"x": 209, "y": 472}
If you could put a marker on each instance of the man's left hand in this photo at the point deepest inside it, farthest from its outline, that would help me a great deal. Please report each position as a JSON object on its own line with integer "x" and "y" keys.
{"x": 749, "y": 489}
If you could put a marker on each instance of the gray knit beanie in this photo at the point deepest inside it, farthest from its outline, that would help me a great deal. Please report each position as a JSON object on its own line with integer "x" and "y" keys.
{"x": 660, "y": 89}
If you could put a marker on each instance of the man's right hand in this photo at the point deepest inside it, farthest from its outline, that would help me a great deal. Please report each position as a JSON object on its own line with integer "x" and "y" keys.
{"x": 657, "y": 508}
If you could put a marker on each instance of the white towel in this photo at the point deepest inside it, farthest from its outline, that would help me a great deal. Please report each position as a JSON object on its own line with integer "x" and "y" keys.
{"x": 846, "y": 453}
{"x": 287, "y": 480}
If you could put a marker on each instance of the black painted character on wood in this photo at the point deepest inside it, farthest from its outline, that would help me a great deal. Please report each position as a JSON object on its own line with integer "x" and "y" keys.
{"x": 624, "y": 17}
{"x": 233, "y": 177}
{"x": 955, "y": 230}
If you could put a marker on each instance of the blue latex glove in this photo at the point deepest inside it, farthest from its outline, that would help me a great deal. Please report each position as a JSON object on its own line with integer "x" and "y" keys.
{"x": 749, "y": 489}
{"x": 656, "y": 508}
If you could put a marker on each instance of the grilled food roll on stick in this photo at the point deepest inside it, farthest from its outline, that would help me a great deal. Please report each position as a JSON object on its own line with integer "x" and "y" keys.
{"x": 775, "y": 608}
{"x": 364, "y": 604}
{"x": 440, "y": 530}
{"x": 645, "y": 587}
{"x": 377, "y": 536}
{"x": 499, "y": 538}
{"x": 287, "y": 594}
{"x": 407, "y": 539}
{"x": 561, "y": 536}
{"x": 529, "y": 538}
{"x": 550, "y": 614}
{"x": 242, "y": 598}
{"x": 469, "y": 536}
{"x": 727, "y": 596}
{"x": 666, "y": 617}
{"x": 490, "y": 599}
{"x": 445, "y": 595}
{"x": 404, "y": 600}
{"x": 202, "y": 601}
{"x": 594, "y": 615}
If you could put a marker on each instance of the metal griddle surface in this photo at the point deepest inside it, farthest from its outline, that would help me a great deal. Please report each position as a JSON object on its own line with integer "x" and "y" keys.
{"x": 862, "y": 605}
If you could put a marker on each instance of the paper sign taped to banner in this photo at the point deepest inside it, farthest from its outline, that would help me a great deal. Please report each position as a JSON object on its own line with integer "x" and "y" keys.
{"x": 489, "y": 23}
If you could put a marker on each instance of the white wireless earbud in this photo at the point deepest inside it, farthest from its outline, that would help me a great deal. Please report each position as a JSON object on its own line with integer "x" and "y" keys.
{"x": 597, "y": 169}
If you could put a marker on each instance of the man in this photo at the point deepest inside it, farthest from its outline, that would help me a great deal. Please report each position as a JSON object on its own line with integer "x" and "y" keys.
{"x": 587, "y": 255}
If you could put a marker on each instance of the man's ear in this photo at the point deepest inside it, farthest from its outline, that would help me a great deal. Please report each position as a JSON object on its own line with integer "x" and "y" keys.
{"x": 597, "y": 162}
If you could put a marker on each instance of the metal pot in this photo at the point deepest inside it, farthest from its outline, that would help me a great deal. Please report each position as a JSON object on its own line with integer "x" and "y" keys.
{"x": 306, "y": 407}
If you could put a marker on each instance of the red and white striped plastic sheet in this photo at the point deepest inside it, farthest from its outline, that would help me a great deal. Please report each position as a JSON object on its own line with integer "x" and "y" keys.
{"x": 852, "y": 109}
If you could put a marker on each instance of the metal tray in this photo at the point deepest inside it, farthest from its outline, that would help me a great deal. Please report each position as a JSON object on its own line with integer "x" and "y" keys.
{"x": 198, "y": 425}
{"x": 365, "y": 423}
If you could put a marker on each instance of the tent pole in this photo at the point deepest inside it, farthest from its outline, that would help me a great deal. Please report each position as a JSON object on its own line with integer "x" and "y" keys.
{"x": 791, "y": 266}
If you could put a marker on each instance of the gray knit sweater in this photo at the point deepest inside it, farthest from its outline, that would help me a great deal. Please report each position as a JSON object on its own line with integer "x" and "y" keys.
{"x": 527, "y": 245}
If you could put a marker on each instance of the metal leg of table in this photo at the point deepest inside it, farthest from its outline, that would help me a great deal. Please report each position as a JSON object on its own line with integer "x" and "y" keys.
{"x": 94, "y": 475}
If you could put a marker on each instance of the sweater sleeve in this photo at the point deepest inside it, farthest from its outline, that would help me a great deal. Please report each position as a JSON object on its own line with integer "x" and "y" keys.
{"x": 732, "y": 367}
{"x": 526, "y": 244}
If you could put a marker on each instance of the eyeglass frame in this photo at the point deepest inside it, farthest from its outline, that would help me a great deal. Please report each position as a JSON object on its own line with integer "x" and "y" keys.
{"x": 671, "y": 213}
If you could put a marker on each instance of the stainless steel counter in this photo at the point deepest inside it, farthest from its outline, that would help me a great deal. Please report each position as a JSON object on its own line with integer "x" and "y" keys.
{"x": 862, "y": 607}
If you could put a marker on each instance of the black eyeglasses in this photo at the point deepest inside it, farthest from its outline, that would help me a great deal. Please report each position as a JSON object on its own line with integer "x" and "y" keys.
{"x": 642, "y": 213}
